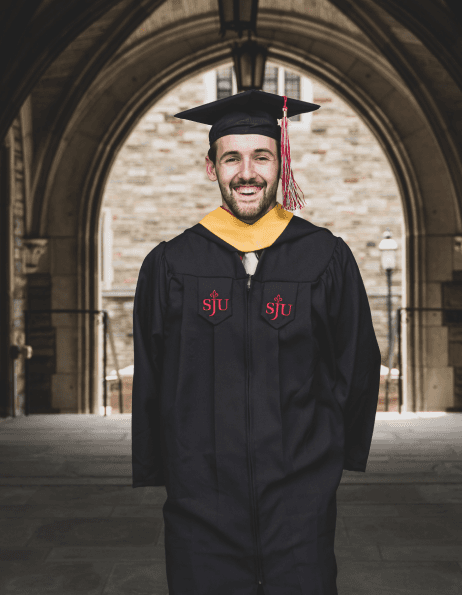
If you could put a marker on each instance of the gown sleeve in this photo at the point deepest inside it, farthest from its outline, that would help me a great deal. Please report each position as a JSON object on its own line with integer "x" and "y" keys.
{"x": 357, "y": 355}
{"x": 148, "y": 314}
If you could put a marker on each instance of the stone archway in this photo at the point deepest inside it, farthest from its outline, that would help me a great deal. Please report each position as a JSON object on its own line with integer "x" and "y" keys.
{"x": 132, "y": 82}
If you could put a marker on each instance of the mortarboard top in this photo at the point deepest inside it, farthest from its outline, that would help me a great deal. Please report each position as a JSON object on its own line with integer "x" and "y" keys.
{"x": 250, "y": 112}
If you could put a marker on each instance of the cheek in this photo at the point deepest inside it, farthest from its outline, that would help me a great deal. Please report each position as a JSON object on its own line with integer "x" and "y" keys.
{"x": 270, "y": 173}
{"x": 227, "y": 174}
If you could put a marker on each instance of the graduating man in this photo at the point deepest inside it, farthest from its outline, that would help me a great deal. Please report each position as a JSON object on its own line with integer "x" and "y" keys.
{"x": 256, "y": 372}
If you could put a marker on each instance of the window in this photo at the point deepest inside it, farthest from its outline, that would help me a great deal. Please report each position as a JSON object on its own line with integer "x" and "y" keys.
{"x": 105, "y": 249}
{"x": 270, "y": 82}
{"x": 224, "y": 82}
{"x": 292, "y": 89}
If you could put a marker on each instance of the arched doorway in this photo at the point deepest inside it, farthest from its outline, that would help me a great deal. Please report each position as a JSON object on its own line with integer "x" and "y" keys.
{"x": 356, "y": 72}
{"x": 157, "y": 187}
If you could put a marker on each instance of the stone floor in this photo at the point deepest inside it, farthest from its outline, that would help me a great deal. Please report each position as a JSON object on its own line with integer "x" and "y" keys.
{"x": 71, "y": 524}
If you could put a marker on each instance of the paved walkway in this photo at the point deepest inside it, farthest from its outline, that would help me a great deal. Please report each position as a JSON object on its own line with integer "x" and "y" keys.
{"x": 71, "y": 524}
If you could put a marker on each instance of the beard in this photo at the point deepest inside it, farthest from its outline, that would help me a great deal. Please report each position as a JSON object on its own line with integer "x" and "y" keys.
{"x": 252, "y": 211}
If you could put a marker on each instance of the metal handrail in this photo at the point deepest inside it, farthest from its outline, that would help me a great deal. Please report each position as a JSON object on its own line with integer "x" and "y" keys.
{"x": 105, "y": 327}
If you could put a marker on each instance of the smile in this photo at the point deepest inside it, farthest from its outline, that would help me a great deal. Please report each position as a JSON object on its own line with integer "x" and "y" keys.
{"x": 247, "y": 190}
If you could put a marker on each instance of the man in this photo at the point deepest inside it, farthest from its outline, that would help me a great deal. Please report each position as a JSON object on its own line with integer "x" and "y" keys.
{"x": 256, "y": 378}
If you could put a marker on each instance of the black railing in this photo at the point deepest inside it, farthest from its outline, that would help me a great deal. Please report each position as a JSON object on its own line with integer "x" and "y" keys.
{"x": 452, "y": 316}
{"x": 106, "y": 326}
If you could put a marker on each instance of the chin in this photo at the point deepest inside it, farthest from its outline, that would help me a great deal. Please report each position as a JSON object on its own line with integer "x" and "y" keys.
{"x": 250, "y": 205}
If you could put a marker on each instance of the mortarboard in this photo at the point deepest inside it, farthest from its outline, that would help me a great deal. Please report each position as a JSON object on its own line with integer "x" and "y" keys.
{"x": 255, "y": 112}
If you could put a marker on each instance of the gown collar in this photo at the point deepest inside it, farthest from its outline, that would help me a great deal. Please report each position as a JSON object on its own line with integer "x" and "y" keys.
{"x": 245, "y": 237}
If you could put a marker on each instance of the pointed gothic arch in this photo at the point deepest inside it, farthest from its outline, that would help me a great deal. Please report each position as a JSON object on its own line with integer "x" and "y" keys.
{"x": 405, "y": 124}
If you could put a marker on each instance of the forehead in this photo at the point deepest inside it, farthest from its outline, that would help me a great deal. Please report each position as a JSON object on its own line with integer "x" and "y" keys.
{"x": 245, "y": 143}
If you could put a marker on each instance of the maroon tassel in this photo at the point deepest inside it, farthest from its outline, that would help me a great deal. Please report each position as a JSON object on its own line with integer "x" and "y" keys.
{"x": 293, "y": 195}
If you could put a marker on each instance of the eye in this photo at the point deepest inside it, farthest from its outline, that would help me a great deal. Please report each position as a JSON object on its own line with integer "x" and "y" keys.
{"x": 230, "y": 159}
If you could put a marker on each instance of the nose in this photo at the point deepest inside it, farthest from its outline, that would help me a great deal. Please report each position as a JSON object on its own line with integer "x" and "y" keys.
{"x": 247, "y": 171}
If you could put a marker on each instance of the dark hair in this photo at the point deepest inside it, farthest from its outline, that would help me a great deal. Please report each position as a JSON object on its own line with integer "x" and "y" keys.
{"x": 212, "y": 153}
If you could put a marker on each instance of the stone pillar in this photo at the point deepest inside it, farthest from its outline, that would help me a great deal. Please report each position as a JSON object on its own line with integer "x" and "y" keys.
{"x": 64, "y": 381}
{"x": 452, "y": 302}
{"x": 42, "y": 337}
{"x": 435, "y": 387}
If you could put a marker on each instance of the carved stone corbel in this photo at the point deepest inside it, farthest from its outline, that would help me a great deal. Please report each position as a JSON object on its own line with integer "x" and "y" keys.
{"x": 32, "y": 250}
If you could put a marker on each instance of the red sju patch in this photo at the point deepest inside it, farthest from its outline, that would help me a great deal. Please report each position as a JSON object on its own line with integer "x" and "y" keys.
{"x": 278, "y": 302}
{"x": 277, "y": 307}
{"x": 215, "y": 302}
{"x": 214, "y": 298}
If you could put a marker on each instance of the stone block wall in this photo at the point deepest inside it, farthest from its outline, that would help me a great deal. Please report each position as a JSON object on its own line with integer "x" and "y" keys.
{"x": 18, "y": 276}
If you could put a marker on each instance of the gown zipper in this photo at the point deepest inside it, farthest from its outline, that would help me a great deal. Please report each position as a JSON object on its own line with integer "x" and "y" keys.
{"x": 251, "y": 472}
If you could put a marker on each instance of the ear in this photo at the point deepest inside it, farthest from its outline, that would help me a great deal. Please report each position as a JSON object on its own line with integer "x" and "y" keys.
{"x": 210, "y": 168}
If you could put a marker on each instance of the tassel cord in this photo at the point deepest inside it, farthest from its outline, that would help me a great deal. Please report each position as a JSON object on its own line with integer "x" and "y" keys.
{"x": 293, "y": 195}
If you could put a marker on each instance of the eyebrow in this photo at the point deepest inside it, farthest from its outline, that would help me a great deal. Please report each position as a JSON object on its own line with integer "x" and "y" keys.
{"x": 227, "y": 153}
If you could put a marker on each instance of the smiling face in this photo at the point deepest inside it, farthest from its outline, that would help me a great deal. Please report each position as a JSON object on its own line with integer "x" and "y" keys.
{"x": 247, "y": 169}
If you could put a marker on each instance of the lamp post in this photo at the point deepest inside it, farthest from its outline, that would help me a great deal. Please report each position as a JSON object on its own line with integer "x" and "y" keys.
{"x": 388, "y": 246}
{"x": 249, "y": 57}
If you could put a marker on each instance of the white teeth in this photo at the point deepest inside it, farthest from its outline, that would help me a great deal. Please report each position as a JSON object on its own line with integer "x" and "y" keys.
{"x": 247, "y": 192}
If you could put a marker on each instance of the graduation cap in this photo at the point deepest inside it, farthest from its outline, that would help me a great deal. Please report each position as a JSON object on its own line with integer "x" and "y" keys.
{"x": 256, "y": 112}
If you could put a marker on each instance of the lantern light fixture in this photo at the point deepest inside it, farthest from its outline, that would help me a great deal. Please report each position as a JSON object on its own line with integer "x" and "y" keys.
{"x": 238, "y": 16}
{"x": 249, "y": 65}
{"x": 388, "y": 247}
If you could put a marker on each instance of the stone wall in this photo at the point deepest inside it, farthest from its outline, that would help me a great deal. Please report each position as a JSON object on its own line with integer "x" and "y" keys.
{"x": 158, "y": 187}
{"x": 30, "y": 291}
{"x": 18, "y": 276}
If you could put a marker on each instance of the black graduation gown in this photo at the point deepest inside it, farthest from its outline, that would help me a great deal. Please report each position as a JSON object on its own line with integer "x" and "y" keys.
{"x": 248, "y": 403}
